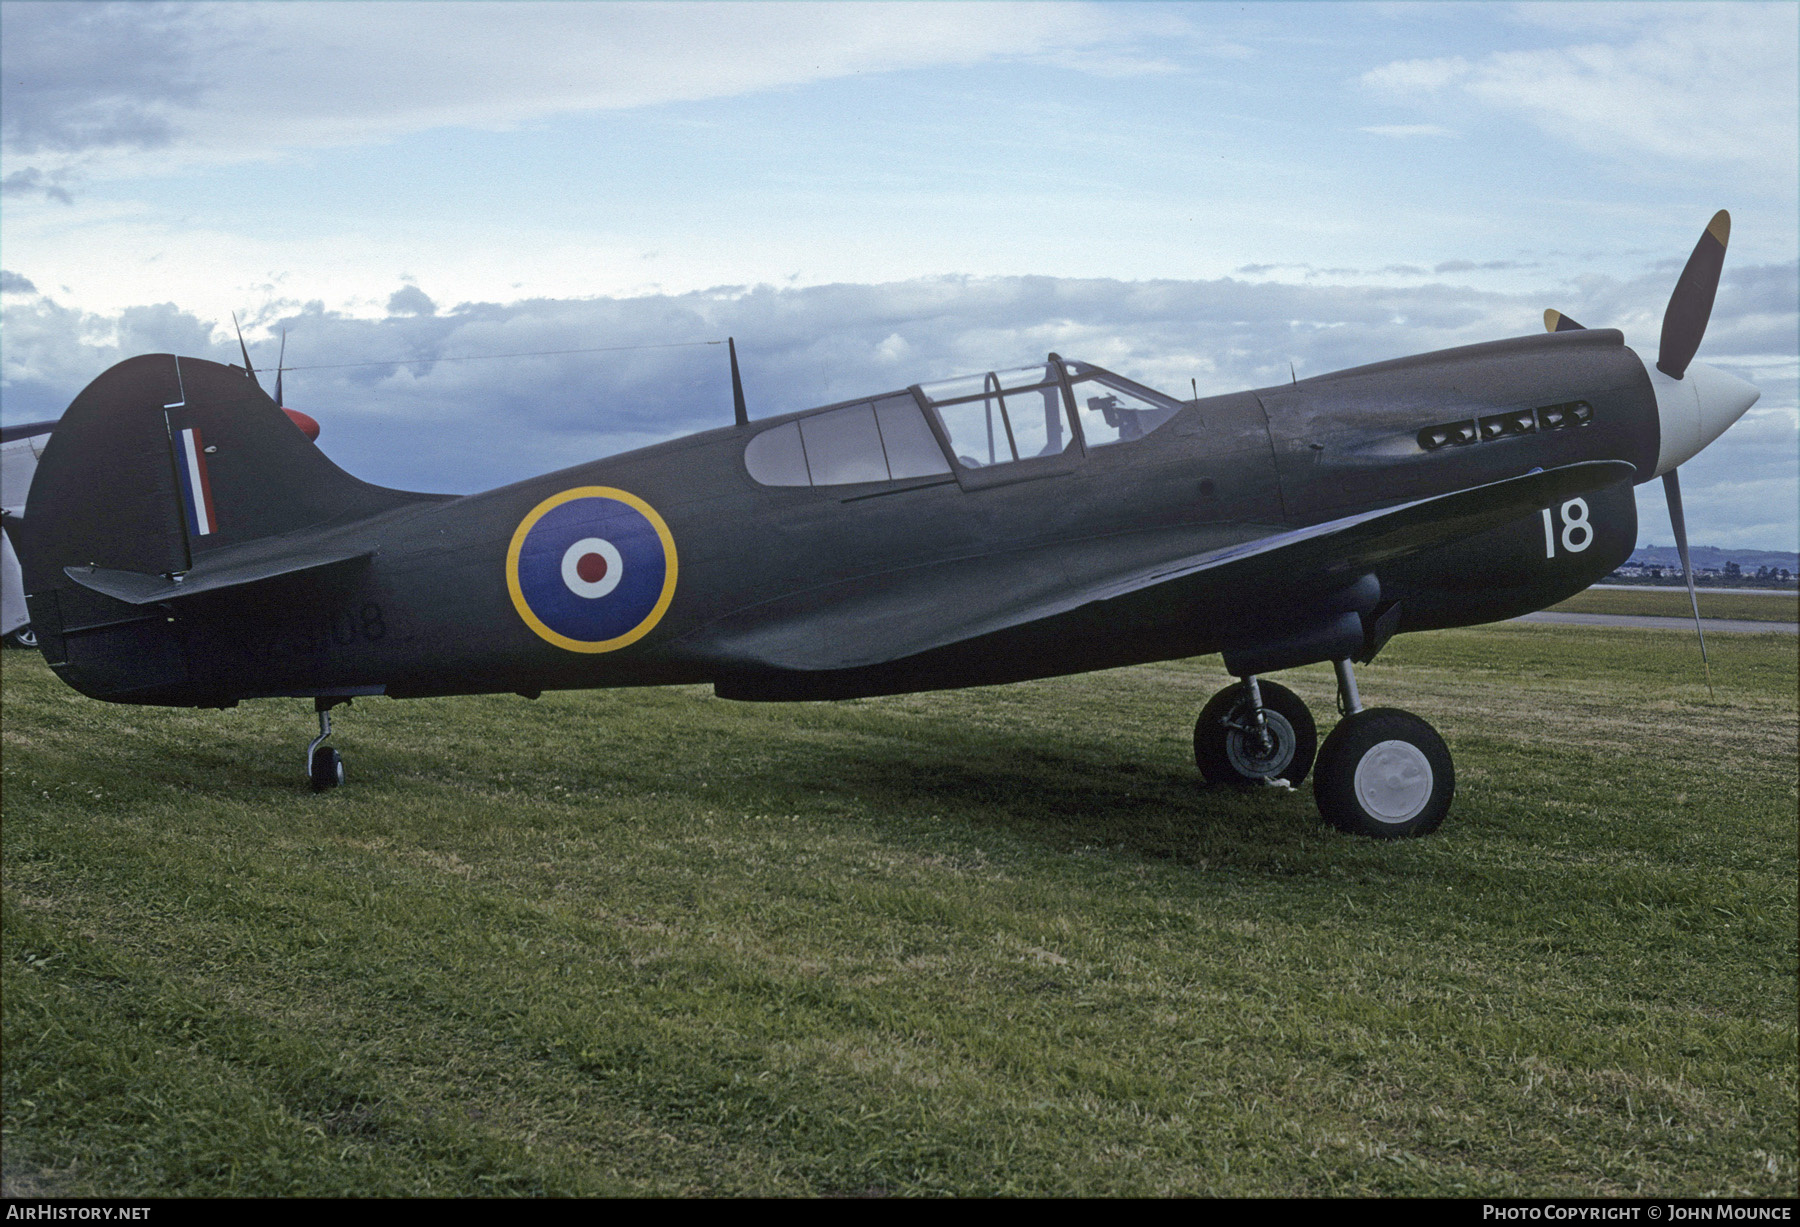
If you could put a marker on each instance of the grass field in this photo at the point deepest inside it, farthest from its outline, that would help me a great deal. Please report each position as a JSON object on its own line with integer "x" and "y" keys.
{"x": 1673, "y": 603}
{"x": 989, "y": 942}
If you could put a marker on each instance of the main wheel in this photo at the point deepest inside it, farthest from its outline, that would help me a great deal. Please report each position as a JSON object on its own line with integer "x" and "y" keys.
{"x": 24, "y": 637}
{"x": 1229, "y": 750}
{"x": 1384, "y": 773}
{"x": 327, "y": 769}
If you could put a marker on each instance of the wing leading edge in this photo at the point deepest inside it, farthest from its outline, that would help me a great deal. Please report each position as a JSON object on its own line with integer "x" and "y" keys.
{"x": 875, "y": 621}
{"x": 1339, "y": 550}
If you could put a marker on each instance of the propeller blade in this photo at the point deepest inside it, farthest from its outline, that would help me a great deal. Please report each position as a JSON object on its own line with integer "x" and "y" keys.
{"x": 280, "y": 358}
{"x": 1672, "y": 488}
{"x": 1556, "y": 321}
{"x": 245, "y": 350}
{"x": 1690, "y": 306}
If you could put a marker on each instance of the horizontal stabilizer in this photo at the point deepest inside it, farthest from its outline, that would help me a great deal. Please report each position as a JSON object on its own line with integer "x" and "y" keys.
{"x": 137, "y": 588}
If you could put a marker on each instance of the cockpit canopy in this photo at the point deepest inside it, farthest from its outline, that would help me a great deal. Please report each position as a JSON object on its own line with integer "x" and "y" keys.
{"x": 1012, "y": 415}
{"x": 997, "y": 418}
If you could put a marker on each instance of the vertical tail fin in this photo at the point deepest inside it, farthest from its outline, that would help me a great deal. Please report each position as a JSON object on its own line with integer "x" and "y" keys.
{"x": 163, "y": 460}
{"x": 159, "y": 464}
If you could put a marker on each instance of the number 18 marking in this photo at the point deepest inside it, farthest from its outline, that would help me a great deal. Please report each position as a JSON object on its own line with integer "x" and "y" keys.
{"x": 1575, "y": 522}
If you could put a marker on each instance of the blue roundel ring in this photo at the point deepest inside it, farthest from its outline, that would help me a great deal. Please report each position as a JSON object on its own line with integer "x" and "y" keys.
{"x": 591, "y": 569}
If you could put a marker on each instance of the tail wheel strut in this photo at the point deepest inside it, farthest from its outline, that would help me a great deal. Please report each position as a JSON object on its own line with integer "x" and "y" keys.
{"x": 324, "y": 765}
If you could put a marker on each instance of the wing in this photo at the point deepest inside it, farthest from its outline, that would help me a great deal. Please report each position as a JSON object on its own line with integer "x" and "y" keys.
{"x": 875, "y": 620}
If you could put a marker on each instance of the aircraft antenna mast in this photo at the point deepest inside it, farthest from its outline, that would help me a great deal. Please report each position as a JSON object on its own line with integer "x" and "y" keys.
{"x": 737, "y": 386}
{"x": 245, "y": 350}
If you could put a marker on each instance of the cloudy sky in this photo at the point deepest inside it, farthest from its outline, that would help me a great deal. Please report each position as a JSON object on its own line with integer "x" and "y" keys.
{"x": 869, "y": 195}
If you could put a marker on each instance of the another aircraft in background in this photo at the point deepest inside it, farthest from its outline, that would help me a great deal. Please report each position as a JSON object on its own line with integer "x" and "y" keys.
{"x": 20, "y": 447}
{"x": 184, "y": 545}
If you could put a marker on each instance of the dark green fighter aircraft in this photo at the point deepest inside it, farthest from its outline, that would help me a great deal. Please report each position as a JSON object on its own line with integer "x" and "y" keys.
{"x": 184, "y": 544}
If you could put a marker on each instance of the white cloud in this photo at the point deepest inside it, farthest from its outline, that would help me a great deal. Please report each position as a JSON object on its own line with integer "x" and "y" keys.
{"x": 231, "y": 81}
{"x": 468, "y": 425}
{"x": 1417, "y": 76}
{"x": 1407, "y": 130}
{"x": 1704, "y": 83}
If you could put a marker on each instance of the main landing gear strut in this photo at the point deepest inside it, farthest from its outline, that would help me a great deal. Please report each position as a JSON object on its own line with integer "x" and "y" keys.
{"x": 1382, "y": 772}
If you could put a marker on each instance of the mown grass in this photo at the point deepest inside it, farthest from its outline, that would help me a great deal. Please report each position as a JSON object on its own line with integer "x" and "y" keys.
{"x": 1772, "y": 606}
{"x": 996, "y": 941}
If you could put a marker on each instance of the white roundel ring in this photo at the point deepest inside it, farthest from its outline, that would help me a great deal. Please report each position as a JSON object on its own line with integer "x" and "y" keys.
{"x": 592, "y": 567}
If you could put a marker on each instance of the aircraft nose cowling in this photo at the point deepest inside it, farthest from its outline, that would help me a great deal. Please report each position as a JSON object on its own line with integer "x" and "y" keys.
{"x": 1696, "y": 409}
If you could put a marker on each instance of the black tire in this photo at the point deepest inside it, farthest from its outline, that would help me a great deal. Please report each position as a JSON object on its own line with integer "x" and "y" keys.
{"x": 1386, "y": 774}
{"x": 327, "y": 769}
{"x": 24, "y": 637}
{"x": 1224, "y": 748}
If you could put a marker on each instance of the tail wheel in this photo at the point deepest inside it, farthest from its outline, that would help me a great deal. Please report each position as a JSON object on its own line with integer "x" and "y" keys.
{"x": 327, "y": 769}
{"x": 1384, "y": 773}
{"x": 1230, "y": 749}
{"x": 24, "y": 637}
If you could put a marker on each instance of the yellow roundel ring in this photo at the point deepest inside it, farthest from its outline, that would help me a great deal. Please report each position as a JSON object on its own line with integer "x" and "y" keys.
{"x": 591, "y": 569}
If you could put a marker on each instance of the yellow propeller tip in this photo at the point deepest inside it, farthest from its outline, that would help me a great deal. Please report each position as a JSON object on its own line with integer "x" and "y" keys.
{"x": 1720, "y": 227}
{"x": 1551, "y": 318}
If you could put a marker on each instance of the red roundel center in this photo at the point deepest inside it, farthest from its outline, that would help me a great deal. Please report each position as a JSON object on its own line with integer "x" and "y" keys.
{"x": 591, "y": 568}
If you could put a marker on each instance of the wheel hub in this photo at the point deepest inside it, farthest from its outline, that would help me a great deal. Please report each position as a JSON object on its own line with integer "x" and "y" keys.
{"x": 1393, "y": 781}
{"x": 1264, "y": 755}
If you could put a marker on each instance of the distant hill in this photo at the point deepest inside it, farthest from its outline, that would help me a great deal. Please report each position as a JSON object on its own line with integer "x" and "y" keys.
{"x": 1712, "y": 558}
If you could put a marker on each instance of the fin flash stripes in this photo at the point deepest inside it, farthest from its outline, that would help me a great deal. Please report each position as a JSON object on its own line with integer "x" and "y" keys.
{"x": 196, "y": 486}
